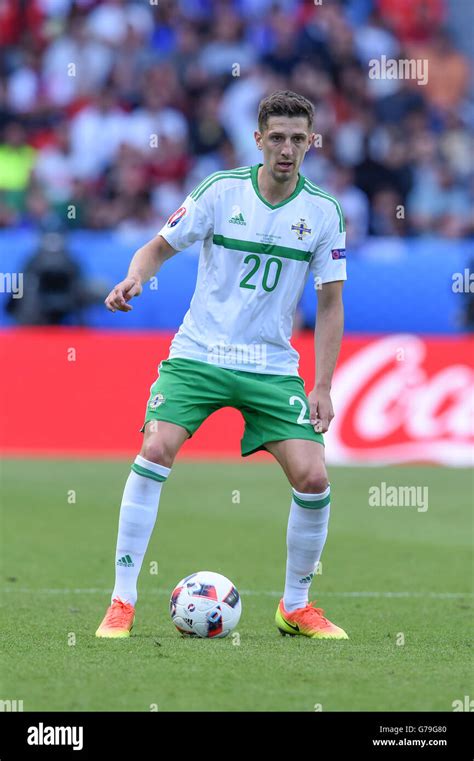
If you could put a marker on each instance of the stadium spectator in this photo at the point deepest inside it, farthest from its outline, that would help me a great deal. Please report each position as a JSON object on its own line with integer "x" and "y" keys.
{"x": 388, "y": 214}
{"x": 412, "y": 20}
{"x": 17, "y": 160}
{"x": 438, "y": 204}
{"x": 157, "y": 118}
{"x": 56, "y": 168}
{"x": 226, "y": 46}
{"x": 97, "y": 132}
{"x": 284, "y": 54}
{"x": 354, "y": 202}
{"x": 75, "y": 65}
{"x": 448, "y": 72}
{"x": 109, "y": 21}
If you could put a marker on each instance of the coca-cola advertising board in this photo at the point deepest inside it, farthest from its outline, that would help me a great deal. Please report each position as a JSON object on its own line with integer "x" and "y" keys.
{"x": 397, "y": 399}
{"x": 403, "y": 398}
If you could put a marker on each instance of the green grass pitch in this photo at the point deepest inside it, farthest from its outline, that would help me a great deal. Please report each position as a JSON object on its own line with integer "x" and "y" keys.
{"x": 397, "y": 579}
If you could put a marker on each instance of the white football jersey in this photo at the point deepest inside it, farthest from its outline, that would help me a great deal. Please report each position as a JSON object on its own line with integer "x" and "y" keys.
{"x": 254, "y": 262}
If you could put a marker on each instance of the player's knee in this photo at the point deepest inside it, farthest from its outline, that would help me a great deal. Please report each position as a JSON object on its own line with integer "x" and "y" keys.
{"x": 155, "y": 450}
{"x": 313, "y": 482}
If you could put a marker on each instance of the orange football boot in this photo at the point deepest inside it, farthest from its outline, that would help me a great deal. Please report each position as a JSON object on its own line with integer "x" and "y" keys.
{"x": 118, "y": 621}
{"x": 308, "y": 621}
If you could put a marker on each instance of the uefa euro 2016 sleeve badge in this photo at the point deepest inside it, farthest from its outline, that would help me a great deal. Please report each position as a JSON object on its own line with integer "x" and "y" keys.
{"x": 176, "y": 216}
{"x": 156, "y": 401}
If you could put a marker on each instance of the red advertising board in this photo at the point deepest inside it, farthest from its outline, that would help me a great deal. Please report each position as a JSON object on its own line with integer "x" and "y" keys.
{"x": 403, "y": 398}
{"x": 397, "y": 398}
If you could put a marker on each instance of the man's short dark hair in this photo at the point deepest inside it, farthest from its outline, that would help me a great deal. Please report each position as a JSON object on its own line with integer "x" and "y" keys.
{"x": 284, "y": 103}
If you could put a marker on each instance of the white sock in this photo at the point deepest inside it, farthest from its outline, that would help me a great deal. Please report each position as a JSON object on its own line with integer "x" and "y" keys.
{"x": 305, "y": 538}
{"x": 138, "y": 513}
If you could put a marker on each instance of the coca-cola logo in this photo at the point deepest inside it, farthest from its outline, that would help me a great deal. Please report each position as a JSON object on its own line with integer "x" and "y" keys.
{"x": 404, "y": 398}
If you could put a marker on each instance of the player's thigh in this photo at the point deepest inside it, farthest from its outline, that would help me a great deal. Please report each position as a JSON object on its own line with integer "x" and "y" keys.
{"x": 162, "y": 441}
{"x": 276, "y": 412}
{"x": 303, "y": 463}
{"x": 185, "y": 393}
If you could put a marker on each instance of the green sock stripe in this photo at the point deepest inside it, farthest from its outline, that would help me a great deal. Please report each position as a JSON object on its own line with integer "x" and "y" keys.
{"x": 147, "y": 473}
{"x": 313, "y": 504}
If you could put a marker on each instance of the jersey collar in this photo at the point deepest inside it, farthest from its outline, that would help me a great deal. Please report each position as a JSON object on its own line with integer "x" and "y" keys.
{"x": 254, "y": 177}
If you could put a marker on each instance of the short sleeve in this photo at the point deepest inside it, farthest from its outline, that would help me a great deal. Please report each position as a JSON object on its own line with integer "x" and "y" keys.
{"x": 328, "y": 262}
{"x": 194, "y": 220}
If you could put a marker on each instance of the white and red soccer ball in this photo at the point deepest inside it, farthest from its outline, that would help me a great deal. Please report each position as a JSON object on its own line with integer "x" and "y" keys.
{"x": 205, "y": 604}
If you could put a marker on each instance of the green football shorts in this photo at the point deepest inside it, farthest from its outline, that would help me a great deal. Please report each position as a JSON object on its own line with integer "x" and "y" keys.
{"x": 275, "y": 407}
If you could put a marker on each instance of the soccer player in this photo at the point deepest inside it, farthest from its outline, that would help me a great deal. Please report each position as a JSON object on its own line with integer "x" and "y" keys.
{"x": 264, "y": 229}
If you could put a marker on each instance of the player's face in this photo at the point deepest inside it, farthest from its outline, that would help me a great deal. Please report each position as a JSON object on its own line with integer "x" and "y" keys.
{"x": 284, "y": 143}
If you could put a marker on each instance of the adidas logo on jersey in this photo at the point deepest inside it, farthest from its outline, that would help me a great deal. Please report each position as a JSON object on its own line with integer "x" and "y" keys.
{"x": 238, "y": 219}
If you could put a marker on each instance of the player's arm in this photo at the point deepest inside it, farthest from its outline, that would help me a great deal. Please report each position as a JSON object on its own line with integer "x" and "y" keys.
{"x": 329, "y": 269}
{"x": 145, "y": 264}
{"x": 327, "y": 343}
{"x": 191, "y": 222}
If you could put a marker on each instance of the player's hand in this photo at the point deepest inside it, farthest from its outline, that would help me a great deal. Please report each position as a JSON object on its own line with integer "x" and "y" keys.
{"x": 119, "y": 297}
{"x": 320, "y": 410}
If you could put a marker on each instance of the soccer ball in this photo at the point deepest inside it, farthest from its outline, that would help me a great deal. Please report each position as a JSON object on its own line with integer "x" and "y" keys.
{"x": 205, "y": 604}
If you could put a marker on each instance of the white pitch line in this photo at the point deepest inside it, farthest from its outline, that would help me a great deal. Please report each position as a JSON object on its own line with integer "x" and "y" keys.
{"x": 249, "y": 592}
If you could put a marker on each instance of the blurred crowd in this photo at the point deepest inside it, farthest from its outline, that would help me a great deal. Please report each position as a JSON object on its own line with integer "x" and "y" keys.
{"x": 112, "y": 111}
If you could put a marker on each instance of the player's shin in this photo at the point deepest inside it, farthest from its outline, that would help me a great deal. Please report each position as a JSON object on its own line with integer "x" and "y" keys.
{"x": 138, "y": 513}
{"x": 306, "y": 536}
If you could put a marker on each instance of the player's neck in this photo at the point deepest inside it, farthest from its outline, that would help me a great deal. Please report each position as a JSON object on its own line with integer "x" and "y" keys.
{"x": 272, "y": 191}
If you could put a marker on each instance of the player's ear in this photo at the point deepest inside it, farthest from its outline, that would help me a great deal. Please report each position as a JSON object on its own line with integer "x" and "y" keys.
{"x": 258, "y": 140}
